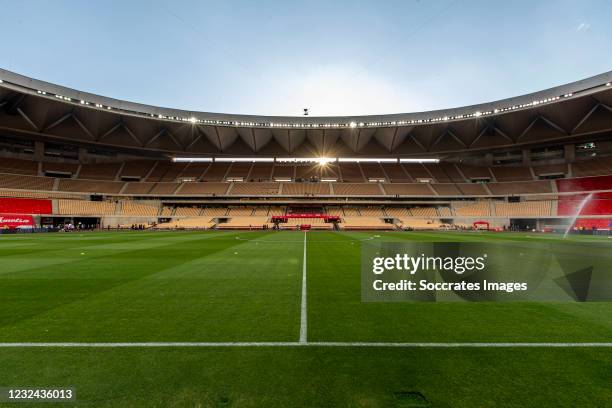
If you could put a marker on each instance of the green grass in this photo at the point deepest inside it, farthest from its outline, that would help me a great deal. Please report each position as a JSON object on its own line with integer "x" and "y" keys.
{"x": 246, "y": 286}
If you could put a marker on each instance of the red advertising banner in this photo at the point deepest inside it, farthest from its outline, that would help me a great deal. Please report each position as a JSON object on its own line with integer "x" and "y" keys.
{"x": 307, "y": 216}
{"x": 284, "y": 218}
{"x": 25, "y": 206}
{"x": 12, "y": 221}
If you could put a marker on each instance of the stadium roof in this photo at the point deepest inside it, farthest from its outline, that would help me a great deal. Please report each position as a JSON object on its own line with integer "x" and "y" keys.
{"x": 45, "y": 111}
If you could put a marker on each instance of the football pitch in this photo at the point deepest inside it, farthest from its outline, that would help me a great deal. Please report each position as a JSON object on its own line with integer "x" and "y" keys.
{"x": 275, "y": 319}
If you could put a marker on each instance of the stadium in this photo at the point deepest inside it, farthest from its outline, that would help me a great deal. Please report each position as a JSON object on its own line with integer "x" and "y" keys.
{"x": 458, "y": 255}
{"x": 524, "y": 163}
{"x": 247, "y": 186}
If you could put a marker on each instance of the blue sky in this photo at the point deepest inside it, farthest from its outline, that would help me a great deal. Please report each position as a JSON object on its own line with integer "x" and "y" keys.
{"x": 335, "y": 57}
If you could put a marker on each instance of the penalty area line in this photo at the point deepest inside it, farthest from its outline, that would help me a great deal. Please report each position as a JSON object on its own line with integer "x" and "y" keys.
{"x": 301, "y": 344}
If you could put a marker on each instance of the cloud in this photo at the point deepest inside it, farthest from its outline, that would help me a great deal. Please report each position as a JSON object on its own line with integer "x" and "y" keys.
{"x": 584, "y": 26}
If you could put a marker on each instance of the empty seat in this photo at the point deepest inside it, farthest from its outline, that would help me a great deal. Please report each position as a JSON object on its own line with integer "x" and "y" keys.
{"x": 349, "y": 189}
{"x": 351, "y": 172}
{"x": 472, "y": 208}
{"x": 99, "y": 171}
{"x": 261, "y": 172}
{"x": 396, "y": 173}
{"x": 26, "y": 182}
{"x": 412, "y": 189}
{"x": 137, "y": 168}
{"x": 521, "y": 187}
{"x": 164, "y": 188}
{"x": 239, "y": 171}
{"x": 139, "y": 209}
{"x": 216, "y": 172}
{"x": 65, "y": 168}
{"x": 90, "y": 186}
{"x": 306, "y": 189}
{"x": 524, "y": 209}
{"x": 193, "y": 171}
{"x": 197, "y": 188}
{"x": 254, "y": 189}
{"x": 18, "y": 166}
{"x": 82, "y": 207}
{"x": 512, "y": 173}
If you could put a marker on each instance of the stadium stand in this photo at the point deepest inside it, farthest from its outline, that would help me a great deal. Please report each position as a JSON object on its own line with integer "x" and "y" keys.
{"x": 137, "y": 169}
{"x": 283, "y": 171}
{"x": 438, "y": 173}
{"x": 419, "y": 223}
{"x": 351, "y": 173}
{"x": 507, "y": 173}
{"x": 425, "y": 212}
{"x": 138, "y": 188}
{"x": 398, "y": 212}
{"x": 584, "y": 204}
{"x": 277, "y": 211}
{"x": 445, "y": 212}
{"x": 182, "y": 211}
{"x": 254, "y": 189}
{"x": 90, "y": 186}
{"x": 216, "y": 172}
{"x": 166, "y": 171}
{"x": 240, "y": 211}
{"x": 446, "y": 189}
{"x": 199, "y": 188}
{"x": 413, "y": 189}
{"x": 164, "y": 188}
{"x": 13, "y": 181}
{"x": 351, "y": 211}
{"x": 166, "y": 211}
{"x": 193, "y": 171}
{"x": 238, "y": 222}
{"x": 18, "y": 166}
{"x": 418, "y": 171}
{"x": 99, "y": 171}
{"x": 139, "y": 209}
{"x": 373, "y": 223}
{"x": 261, "y": 211}
{"x": 551, "y": 169}
{"x": 371, "y": 211}
{"x": 475, "y": 172}
{"x": 306, "y": 172}
{"x": 187, "y": 223}
{"x": 305, "y": 189}
{"x": 354, "y": 189}
{"x": 261, "y": 172}
{"x": 472, "y": 208}
{"x": 521, "y": 187}
{"x": 39, "y": 194}
{"x": 373, "y": 171}
{"x": 584, "y": 184}
{"x": 473, "y": 189}
{"x": 524, "y": 209}
{"x": 396, "y": 173}
{"x": 452, "y": 172}
{"x": 214, "y": 211}
{"x": 314, "y": 223}
{"x": 68, "y": 169}
{"x": 91, "y": 208}
{"x": 239, "y": 171}
{"x": 592, "y": 167}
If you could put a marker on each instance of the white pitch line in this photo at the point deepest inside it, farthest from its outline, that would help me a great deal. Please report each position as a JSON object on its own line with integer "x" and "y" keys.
{"x": 304, "y": 344}
{"x": 304, "y": 308}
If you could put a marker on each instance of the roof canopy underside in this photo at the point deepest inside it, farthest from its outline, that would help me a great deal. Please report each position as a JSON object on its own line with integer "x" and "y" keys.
{"x": 39, "y": 110}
